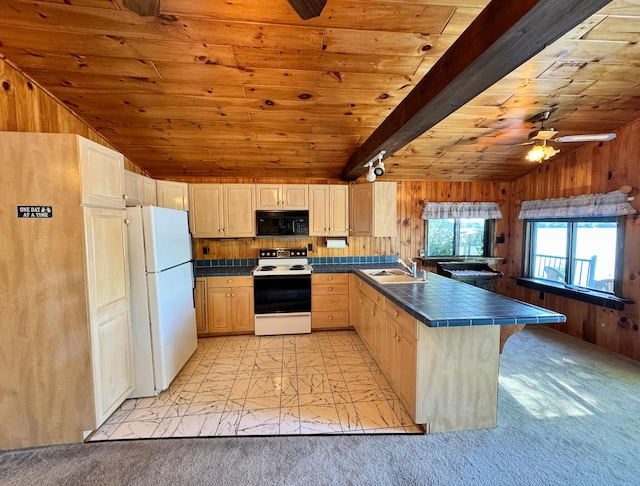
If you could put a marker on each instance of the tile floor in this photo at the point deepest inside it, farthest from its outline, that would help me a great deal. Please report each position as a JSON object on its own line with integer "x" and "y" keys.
{"x": 318, "y": 383}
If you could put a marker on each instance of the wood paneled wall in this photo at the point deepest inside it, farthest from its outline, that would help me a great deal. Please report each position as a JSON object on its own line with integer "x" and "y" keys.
{"x": 595, "y": 168}
{"x": 26, "y": 107}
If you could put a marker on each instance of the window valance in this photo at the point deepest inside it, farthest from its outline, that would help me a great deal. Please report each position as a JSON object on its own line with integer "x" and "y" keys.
{"x": 614, "y": 203}
{"x": 447, "y": 210}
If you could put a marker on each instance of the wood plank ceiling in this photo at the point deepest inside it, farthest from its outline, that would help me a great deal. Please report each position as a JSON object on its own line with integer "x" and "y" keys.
{"x": 246, "y": 89}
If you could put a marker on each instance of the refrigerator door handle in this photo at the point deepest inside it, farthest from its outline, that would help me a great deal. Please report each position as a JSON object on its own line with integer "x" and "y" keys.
{"x": 193, "y": 282}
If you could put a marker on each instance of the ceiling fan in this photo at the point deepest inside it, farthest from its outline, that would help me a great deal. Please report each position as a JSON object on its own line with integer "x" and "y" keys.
{"x": 306, "y": 9}
{"x": 539, "y": 138}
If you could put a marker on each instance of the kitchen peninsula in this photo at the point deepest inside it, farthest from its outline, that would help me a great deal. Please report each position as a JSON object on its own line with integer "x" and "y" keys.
{"x": 438, "y": 342}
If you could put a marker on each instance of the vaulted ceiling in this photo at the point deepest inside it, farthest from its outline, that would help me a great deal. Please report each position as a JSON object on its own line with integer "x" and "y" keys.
{"x": 247, "y": 89}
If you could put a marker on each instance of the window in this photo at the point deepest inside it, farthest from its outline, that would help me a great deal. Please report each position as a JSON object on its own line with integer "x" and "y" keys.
{"x": 578, "y": 252}
{"x": 458, "y": 237}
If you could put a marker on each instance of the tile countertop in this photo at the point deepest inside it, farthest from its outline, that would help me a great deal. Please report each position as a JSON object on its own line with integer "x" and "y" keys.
{"x": 440, "y": 302}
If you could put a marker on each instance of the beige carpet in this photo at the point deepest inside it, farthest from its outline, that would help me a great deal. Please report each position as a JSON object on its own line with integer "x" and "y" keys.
{"x": 569, "y": 414}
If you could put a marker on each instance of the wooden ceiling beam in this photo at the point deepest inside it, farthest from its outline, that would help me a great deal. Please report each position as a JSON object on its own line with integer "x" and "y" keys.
{"x": 144, "y": 8}
{"x": 501, "y": 38}
{"x": 307, "y": 9}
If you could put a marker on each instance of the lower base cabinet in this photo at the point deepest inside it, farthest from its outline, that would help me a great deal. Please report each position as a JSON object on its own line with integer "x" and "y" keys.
{"x": 329, "y": 301}
{"x": 447, "y": 378}
{"x": 224, "y": 305}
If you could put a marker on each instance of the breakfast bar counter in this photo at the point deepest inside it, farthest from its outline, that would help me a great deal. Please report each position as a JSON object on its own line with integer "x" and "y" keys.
{"x": 438, "y": 342}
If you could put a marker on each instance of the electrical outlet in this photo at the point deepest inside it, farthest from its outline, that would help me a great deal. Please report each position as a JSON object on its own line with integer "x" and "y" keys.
{"x": 205, "y": 250}
{"x": 310, "y": 247}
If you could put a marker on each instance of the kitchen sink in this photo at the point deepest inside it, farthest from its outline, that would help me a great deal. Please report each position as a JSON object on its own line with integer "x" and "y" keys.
{"x": 390, "y": 276}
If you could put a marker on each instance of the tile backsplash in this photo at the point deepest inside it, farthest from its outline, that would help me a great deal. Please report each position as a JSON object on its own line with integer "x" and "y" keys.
{"x": 243, "y": 262}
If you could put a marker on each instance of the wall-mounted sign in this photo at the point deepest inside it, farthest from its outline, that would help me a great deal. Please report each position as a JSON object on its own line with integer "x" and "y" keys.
{"x": 35, "y": 211}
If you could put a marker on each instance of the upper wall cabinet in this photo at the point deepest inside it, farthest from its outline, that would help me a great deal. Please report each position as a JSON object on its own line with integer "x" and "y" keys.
{"x": 139, "y": 189}
{"x": 102, "y": 172}
{"x": 328, "y": 210}
{"x": 373, "y": 209}
{"x": 222, "y": 210}
{"x": 132, "y": 188}
{"x": 173, "y": 195}
{"x": 282, "y": 196}
{"x": 149, "y": 195}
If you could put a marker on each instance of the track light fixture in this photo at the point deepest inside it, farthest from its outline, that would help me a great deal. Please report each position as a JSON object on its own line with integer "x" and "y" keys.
{"x": 378, "y": 170}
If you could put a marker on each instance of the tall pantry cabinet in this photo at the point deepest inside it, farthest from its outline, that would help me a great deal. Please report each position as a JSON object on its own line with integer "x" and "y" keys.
{"x": 65, "y": 336}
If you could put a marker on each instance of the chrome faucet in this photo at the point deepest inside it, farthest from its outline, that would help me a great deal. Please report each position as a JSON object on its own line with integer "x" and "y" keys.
{"x": 413, "y": 269}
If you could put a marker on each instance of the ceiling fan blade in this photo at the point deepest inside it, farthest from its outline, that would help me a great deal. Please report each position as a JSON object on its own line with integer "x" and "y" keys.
{"x": 591, "y": 137}
{"x": 308, "y": 9}
{"x": 499, "y": 148}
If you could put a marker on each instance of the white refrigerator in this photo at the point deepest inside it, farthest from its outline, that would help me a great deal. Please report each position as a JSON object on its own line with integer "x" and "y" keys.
{"x": 162, "y": 303}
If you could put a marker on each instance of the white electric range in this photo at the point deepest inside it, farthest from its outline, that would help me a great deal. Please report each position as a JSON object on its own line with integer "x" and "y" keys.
{"x": 282, "y": 292}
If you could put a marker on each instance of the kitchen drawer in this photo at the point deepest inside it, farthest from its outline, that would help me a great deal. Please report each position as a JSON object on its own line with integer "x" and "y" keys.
{"x": 232, "y": 281}
{"x": 330, "y": 278}
{"x": 330, "y": 288}
{"x": 373, "y": 294}
{"x": 408, "y": 323}
{"x": 329, "y": 319}
{"x": 329, "y": 302}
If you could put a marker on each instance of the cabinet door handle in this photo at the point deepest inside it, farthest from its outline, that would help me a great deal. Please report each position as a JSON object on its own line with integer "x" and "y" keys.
{"x": 126, "y": 221}
{"x": 228, "y": 295}
{"x": 230, "y": 281}
{"x": 330, "y": 289}
{"x": 331, "y": 318}
{"x": 125, "y": 197}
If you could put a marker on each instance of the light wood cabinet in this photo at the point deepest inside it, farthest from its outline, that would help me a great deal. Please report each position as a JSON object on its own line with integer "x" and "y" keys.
{"x": 139, "y": 189}
{"x": 102, "y": 175}
{"x": 282, "y": 196}
{"x": 328, "y": 210}
{"x": 400, "y": 348}
{"x": 229, "y": 305}
{"x": 205, "y": 211}
{"x": 390, "y": 335}
{"x": 222, "y": 210}
{"x": 372, "y": 208}
{"x": 66, "y": 334}
{"x": 149, "y": 191}
{"x": 133, "y": 188}
{"x": 107, "y": 274}
{"x": 172, "y": 195}
{"x": 329, "y": 301}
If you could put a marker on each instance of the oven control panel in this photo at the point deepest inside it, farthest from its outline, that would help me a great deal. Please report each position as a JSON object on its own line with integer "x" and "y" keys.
{"x": 282, "y": 253}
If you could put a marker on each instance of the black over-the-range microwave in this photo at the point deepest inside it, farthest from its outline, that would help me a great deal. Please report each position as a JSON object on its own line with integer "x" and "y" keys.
{"x": 282, "y": 223}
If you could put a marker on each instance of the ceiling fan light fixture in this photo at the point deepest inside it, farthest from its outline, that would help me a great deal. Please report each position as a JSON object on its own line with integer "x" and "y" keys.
{"x": 538, "y": 153}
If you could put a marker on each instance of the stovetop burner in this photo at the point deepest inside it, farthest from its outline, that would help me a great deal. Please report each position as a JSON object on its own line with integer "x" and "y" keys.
{"x": 283, "y": 261}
